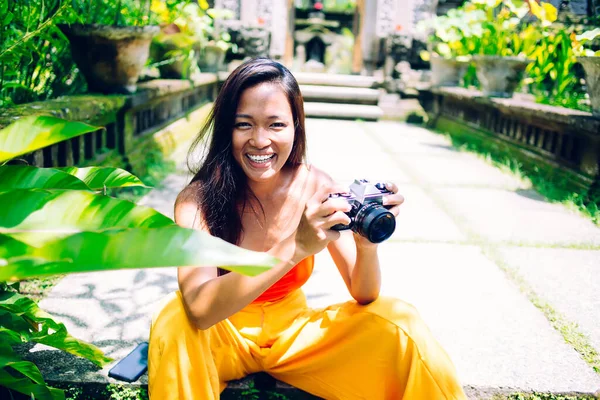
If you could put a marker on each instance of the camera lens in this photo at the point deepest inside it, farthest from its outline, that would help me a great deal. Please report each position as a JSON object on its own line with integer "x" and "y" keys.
{"x": 375, "y": 223}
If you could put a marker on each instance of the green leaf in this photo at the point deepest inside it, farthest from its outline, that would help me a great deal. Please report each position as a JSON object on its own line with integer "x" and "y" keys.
{"x": 50, "y": 332}
{"x": 29, "y": 388}
{"x": 9, "y": 337}
{"x": 98, "y": 178}
{"x": 26, "y": 368}
{"x": 589, "y": 35}
{"x": 28, "y": 177}
{"x": 36, "y": 216}
{"x": 170, "y": 246}
{"x": 35, "y": 132}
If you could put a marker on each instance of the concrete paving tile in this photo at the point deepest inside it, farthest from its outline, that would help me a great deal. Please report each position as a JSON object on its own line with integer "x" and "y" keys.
{"x": 568, "y": 279}
{"x": 346, "y": 153}
{"x": 163, "y": 199}
{"x": 402, "y": 138}
{"x": 421, "y": 219}
{"x": 517, "y": 216}
{"x": 458, "y": 170}
{"x": 111, "y": 309}
{"x": 494, "y": 335}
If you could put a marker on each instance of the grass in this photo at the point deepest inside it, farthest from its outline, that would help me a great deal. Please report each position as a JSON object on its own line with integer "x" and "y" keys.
{"x": 588, "y": 204}
{"x": 544, "y": 396}
{"x": 568, "y": 330}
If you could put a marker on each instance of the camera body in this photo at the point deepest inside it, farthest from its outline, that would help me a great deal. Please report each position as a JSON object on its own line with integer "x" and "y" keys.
{"x": 368, "y": 216}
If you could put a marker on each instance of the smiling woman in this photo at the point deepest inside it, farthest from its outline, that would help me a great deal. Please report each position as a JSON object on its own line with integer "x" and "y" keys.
{"x": 254, "y": 190}
{"x": 263, "y": 134}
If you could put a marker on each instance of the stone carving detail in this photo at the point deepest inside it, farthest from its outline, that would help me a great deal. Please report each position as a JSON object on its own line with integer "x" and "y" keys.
{"x": 386, "y": 15}
{"x": 255, "y": 41}
{"x": 233, "y": 5}
{"x": 423, "y": 10}
{"x": 578, "y": 7}
{"x": 265, "y": 12}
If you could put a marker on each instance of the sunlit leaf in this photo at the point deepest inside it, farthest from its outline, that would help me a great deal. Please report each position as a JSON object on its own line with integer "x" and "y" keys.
{"x": 28, "y": 177}
{"x": 97, "y": 178}
{"x": 36, "y": 216}
{"x": 171, "y": 246}
{"x": 35, "y": 132}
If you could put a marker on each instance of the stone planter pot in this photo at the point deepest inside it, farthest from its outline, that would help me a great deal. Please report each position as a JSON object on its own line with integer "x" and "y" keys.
{"x": 212, "y": 59}
{"x": 110, "y": 58}
{"x": 177, "y": 47}
{"x": 499, "y": 76}
{"x": 591, "y": 66}
{"x": 447, "y": 72}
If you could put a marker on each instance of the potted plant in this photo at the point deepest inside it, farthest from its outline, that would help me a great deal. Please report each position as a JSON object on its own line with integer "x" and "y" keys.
{"x": 188, "y": 42}
{"x": 176, "y": 49}
{"x": 505, "y": 38}
{"x": 590, "y": 60}
{"x": 218, "y": 41}
{"x": 111, "y": 45}
{"x": 447, "y": 53}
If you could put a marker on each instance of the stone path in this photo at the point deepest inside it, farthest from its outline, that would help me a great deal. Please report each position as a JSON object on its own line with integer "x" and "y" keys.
{"x": 473, "y": 249}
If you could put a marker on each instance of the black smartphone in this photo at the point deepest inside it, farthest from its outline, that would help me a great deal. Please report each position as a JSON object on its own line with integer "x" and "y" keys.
{"x": 132, "y": 366}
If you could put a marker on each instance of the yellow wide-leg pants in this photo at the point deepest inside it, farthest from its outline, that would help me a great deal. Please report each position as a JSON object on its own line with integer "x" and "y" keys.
{"x": 346, "y": 351}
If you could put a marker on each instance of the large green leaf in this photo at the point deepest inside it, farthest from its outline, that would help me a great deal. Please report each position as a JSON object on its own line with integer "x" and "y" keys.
{"x": 28, "y": 177}
{"x": 35, "y": 132}
{"x": 24, "y": 367}
{"x": 36, "y": 216}
{"x": 169, "y": 246}
{"x": 98, "y": 178}
{"x": 91, "y": 178}
{"x": 49, "y": 332}
{"x": 29, "y": 388}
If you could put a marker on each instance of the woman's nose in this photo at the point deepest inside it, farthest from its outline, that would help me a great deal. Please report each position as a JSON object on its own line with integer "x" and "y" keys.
{"x": 260, "y": 138}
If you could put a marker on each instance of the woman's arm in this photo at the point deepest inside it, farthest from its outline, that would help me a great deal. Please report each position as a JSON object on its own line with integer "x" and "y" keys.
{"x": 357, "y": 260}
{"x": 209, "y": 298}
{"x": 358, "y": 264}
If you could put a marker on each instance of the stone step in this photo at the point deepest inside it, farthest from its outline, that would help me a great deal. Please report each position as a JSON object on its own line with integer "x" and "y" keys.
{"x": 343, "y": 111}
{"x": 315, "y": 78}
{"x": 339, "y": 94}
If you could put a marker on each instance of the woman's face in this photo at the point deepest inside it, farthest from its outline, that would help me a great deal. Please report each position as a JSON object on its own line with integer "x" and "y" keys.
{"x": 263, "y": 132}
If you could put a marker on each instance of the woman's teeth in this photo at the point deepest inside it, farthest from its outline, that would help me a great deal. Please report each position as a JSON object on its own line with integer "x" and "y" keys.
{"x": 260, "y": 159}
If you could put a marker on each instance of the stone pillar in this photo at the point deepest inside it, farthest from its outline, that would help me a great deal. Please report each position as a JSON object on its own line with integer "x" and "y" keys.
{"x": 288, "y": 56}
{"x": 357, "y": 29}
{"x": 369, "y": 39}
{"x": 249, "y": 12}
{"x": 279, "y": 28}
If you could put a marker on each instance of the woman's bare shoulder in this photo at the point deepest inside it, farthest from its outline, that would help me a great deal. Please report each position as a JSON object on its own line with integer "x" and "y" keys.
{"x": 317, "y": 177}
{"x": 187, "y": 206}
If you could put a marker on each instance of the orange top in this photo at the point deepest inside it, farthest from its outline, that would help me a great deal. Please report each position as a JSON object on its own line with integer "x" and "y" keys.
{"x": 291, "y": 281}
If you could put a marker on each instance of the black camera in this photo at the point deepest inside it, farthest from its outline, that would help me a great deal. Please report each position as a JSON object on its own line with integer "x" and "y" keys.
{"x": 368, "y": 216}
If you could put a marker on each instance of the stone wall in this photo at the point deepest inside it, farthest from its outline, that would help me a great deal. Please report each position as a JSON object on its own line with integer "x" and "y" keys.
{"x": 561, "y": 143}
{"x": 130, "y": 124}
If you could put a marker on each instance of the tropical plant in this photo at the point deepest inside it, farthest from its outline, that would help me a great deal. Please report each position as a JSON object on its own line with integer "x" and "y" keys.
{"x": 450, "y": 35}
{"x": 581, "y": 43}
{"x": 188, "y": 29}
{"x": 60, "y": 220}
{"x": 35, "y": 60}
{"x": 115, "y": 12}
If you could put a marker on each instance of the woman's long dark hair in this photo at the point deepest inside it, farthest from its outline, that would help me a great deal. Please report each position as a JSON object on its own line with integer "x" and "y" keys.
{"x": 222, "y": 185}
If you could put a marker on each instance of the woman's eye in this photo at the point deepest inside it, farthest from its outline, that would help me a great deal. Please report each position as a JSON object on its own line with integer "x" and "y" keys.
{"x": 278, "y": 125}
{"x": 242, "y": 125}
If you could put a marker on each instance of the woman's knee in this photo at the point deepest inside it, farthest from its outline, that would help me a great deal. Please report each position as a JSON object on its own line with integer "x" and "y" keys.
{"x": 170, "y": 319}
{"x": 395, "y": 311}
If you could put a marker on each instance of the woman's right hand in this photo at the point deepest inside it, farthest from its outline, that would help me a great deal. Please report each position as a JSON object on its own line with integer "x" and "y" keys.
{"x": 320, "y": 214}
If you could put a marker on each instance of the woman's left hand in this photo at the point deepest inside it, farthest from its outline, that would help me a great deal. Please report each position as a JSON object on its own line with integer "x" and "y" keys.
{"x": 391, "y": 201}
{"x": 394, "y": 199}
